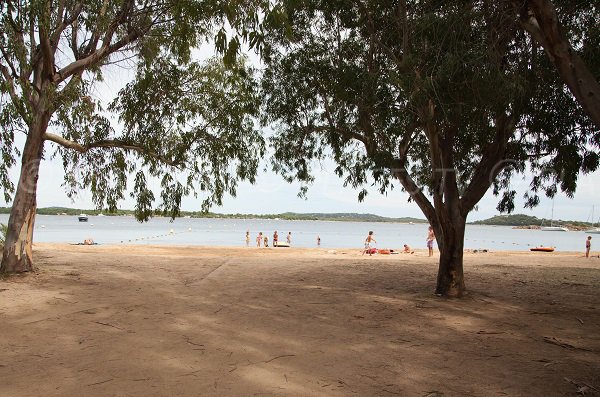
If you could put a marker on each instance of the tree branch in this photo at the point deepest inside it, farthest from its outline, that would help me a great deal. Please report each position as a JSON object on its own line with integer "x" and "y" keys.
{"x": 416, "y": 193}
{"x": 11, "y": 91}
{"x": 10, "y": 64}
{"x": 109, "y": 143}
{"x": 491, "y": 164}
{"x": 66, "y": 21}
{"x": 539, "y": 18}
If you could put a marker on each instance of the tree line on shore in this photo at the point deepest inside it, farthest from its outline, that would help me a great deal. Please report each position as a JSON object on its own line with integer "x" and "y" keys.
{"x": 498, "y": 220}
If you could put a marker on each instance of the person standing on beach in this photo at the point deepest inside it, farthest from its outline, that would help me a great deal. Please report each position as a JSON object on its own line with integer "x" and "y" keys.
{"x": 259, "y": 239}
{"x": 289, "y": 238}
{"x": 368, "y": 241}
{"x": 247, "y": 238}
{"x": 430, "y": 238}
{"x": 275, "y": 238}
{"x": 588, "y": 246}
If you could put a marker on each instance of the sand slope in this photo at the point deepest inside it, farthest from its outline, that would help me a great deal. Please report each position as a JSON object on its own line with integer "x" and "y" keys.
{"x": 190, "y": 321}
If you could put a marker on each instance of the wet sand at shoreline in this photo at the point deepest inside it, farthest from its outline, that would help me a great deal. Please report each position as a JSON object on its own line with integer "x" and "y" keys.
{"x": 187, "y": 321}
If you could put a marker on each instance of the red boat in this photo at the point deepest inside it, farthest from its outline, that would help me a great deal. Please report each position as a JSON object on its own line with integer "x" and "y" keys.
{"x": 542, "y": 249}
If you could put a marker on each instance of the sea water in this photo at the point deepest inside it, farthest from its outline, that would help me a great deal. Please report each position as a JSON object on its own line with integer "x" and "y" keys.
{"x": 232, "y": 232}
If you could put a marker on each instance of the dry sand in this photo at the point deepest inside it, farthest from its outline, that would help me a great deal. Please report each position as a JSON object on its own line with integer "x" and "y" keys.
{"x": 196, "y": 321}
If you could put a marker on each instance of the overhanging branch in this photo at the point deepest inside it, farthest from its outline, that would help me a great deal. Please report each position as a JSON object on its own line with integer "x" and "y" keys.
{"x": 109, "y": 143}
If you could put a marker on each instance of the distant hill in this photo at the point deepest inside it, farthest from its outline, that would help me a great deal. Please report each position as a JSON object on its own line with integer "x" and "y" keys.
{"x": 522, "y": 220}
{"x": 340, "y": 217}
{"x": 511, "y": 220}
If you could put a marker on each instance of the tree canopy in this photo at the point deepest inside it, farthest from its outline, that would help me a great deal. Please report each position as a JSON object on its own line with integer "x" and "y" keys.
{"x": 448, "y": 98}
{"x": 187, "y": 124}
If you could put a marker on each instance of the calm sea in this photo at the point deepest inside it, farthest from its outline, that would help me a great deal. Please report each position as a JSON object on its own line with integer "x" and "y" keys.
{"x": 231, "y": 232}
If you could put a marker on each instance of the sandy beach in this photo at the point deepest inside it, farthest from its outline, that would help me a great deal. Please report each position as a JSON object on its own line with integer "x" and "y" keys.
{"x": 197, "y": 321}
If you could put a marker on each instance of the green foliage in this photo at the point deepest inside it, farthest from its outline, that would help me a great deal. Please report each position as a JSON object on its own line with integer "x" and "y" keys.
{"x": 186, "y": 125}
{"x": 360, "y": 81}
{"x": 200, "y": 118}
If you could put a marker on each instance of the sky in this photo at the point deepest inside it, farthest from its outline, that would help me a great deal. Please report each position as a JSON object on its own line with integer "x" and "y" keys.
{"x": 272, "y": 195}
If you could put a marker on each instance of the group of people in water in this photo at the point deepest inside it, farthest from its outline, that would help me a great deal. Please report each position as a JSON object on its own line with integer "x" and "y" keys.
{"x": 263, "y": 240}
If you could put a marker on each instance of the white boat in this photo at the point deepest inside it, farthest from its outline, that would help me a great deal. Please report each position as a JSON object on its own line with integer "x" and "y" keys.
{"x": 83, "y": 218}
{"x": 594, "y": 229}
{"x": 553, "y": 228}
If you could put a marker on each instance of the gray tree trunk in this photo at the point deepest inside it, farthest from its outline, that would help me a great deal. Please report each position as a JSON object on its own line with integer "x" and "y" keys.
{"x": 18, "y": 250}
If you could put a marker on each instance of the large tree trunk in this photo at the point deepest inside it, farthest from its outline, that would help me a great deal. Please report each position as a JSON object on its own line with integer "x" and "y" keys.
{"x": 450, "y": 236}
{"x": 17, "y": 255}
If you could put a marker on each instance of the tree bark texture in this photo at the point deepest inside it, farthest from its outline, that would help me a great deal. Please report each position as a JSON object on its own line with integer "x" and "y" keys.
{"x": 450, "y": 279}
{"x": 18, "y": 250}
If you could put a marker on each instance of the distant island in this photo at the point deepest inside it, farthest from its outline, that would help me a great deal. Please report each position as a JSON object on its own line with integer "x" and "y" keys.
{"x": 523, "y": 221}
{"x": 292, "y": 216}
{"x": 520, "y": 221}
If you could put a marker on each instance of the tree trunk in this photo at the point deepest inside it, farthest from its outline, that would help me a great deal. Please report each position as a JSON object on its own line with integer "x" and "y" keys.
{"x": 17, "y": 255}
{"x": 451, "y": 240}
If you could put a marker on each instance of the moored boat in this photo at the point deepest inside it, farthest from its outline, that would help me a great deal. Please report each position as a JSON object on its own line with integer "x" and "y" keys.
{"x": 554, "y": 229}
{"x": 83, "y": 218}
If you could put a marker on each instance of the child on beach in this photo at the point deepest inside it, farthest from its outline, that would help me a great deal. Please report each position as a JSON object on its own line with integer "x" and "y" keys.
{"x": 407, "y": 250}
{"x": 259, "y": 239}
{"x": 430, "y": 238}
{"x": 588, "y": 246}
{"x": 368, "y": 241}
{"x": 266, "y": 241}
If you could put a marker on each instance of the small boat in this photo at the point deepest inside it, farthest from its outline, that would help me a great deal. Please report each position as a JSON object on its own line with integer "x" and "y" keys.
{"x": 542, "y": 249}
{"x": 554, "y": 229}
{"x": 83, "y": 218}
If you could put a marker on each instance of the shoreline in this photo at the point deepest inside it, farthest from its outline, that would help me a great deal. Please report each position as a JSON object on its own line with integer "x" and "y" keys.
{"x": 330, "y": 250}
